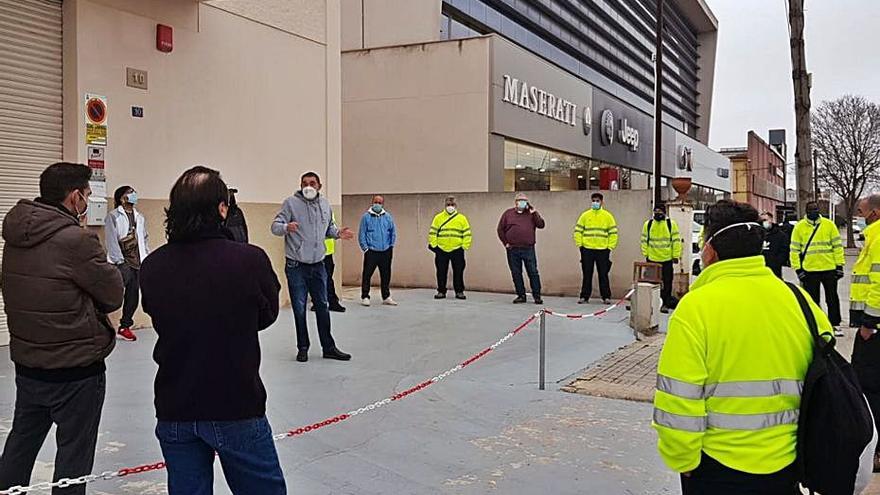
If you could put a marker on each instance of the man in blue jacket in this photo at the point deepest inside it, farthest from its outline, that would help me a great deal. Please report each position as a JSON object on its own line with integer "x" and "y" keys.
{"x": 377, "y": 235}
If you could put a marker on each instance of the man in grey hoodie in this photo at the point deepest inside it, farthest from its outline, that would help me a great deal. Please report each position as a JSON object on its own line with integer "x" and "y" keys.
{"x": 305, "y": 221}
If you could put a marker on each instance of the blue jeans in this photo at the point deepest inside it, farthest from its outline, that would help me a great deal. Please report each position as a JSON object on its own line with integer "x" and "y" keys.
{"x": 304, "y": 280}
{"x": 246, "y": 450}
{"x": 516, "y": 258}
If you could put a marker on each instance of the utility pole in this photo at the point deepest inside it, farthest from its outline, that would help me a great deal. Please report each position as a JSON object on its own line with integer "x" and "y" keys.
{"x": 658, "y": 103}
{"x": 816, "y": 175}
{"x": 802, "y": 83}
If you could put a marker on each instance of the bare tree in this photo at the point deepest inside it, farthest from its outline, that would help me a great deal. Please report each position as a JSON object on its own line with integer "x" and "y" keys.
{"x": 846, "y": 136}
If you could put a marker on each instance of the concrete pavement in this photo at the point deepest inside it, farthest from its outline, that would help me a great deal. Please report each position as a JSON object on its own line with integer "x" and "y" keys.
{"x": 486, "y": 429}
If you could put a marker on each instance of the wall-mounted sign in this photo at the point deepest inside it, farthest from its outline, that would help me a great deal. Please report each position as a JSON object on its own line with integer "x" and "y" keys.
{"x": 537, "y": 100}
{"x": 606, "y": 127}
{"x": 135, "y": 78}
{"x": 137, "y": 112}
{"x": 96, "y": 120}
{"x": 96, "y": 162}
{"x": 686, "y": 158}
{"x": 588, "y": 120}
{"x": 628, "y": 135}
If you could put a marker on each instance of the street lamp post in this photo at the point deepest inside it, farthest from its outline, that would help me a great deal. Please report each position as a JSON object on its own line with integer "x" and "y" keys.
{"x": 658, "y": 103}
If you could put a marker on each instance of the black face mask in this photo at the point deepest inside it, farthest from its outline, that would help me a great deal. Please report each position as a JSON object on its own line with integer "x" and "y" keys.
{"x": 813, "y": 216}
{"x": 659, "y": 217}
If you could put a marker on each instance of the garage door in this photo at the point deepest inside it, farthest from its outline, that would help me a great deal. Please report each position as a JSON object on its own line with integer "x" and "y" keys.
{"x": 30, "y": 101}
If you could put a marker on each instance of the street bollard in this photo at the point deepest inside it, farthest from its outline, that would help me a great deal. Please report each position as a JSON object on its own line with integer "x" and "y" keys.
{"x": 542, "y": 357}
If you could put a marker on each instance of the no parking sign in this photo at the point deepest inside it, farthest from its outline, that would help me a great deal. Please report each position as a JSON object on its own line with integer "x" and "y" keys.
{"x": 96, "y": 120}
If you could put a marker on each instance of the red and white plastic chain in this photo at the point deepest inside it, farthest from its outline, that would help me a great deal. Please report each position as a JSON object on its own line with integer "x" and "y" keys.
{"x": 108, "y": 475}
{"x": 593, "y": 314}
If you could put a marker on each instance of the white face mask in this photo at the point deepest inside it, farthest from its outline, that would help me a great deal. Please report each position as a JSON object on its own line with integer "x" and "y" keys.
{"x": 309, "y": 192}
{"x": 86, "y": 210}
{"x": 450, "y": 209}
{"x": 748, "y": 225}
{"x": 767, "y": 224}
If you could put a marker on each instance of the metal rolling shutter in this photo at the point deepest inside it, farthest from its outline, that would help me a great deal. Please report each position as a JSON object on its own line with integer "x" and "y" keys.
{"x": 30, "y": 101}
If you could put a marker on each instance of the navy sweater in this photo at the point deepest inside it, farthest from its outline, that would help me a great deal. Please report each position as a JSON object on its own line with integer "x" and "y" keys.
{"x": 208, "y": 299}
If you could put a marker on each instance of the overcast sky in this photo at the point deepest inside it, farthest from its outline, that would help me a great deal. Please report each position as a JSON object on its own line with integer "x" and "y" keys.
{"x": 753, "y": 87}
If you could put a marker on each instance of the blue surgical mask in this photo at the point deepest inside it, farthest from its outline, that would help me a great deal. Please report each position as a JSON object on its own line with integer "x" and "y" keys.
{"x": 522, "y": 204}
{"x": 813, "y": 216}
{"x": 377, "y": 208}
{"x": 596, "y": 205}
{"x": 133, "y": 198}
{"x": 861, "y": 223}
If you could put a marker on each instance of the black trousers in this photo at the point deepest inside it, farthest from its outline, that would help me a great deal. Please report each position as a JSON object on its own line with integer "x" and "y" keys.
{"x": 814, "y": 282}
{"x": 131, "y": 281}
{"x": 330, "y": 267}
{"x": 667, "y": 273}
{"x": 373, "y": 260}
{"x": 75, "y": 407}
{"x": 866, "y": 364}
{"x": 714, "y": 478}
{"x": 442, "y": 259}
{"x": 601, "y": 258}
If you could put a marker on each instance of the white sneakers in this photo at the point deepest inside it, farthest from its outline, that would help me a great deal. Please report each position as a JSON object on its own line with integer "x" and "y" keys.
{"x": 838, "y": 332}
{"x": 387, "y": 302}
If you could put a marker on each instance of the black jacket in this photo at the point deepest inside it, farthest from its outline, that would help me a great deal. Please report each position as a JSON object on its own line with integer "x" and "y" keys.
{"x": 236, "y": 224}
{"x": 776, "y": 247}
{"x": 208, "y": 299}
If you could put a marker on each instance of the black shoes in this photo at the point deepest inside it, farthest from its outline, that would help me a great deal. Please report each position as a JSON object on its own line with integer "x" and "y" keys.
{"x": 440, "y": 295}
{"x": 460, "y": 295}
{"x": 336, "y": 308}
{"x": 302, "y": 356}
{"x": 538, "y": 300}
{"x": 519, "y": 300}
{"x": 336, "y": 354}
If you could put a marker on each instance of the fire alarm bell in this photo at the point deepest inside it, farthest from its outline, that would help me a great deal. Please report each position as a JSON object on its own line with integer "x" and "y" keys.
{"x": 164, "y": 38}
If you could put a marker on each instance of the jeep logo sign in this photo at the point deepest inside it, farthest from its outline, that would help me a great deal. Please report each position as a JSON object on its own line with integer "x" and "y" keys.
{"x": 628, "y": 135}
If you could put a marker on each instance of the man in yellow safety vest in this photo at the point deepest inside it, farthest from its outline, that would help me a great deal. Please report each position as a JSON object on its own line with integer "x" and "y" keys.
{"x": 865, "y": 308}
{"x": 731, "y": 370}
{"x": 661, "y": 243}
{"x": 595, "y": 235}
{"x": 449, "y": 237}
{"x": 817, "y": 257}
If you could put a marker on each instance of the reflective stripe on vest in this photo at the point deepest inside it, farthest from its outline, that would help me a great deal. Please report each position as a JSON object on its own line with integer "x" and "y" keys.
{"x": 758, "y": 388}
{"x": 861, "y": 279}
{"x": 744, "y": 422}
{"x": 875, "y": 267}
{"x": 857, "y": 306}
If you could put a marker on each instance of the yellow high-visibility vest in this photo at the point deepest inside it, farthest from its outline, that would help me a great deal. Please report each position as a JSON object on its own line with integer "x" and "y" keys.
{"x": 662, "y": 244}
{"x": 450, "y": 235}
{"x": 824, "y": 253}
{"x": 596, "y": 229}
{"x": 731, "y": 370}
{"x": 865, "y": 289}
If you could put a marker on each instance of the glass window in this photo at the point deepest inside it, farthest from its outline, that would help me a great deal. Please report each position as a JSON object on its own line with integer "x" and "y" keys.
{"x": 533, "y": 168}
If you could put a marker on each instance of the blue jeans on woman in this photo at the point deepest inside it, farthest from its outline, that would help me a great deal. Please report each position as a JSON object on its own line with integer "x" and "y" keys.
{"x": 245, "y": 448}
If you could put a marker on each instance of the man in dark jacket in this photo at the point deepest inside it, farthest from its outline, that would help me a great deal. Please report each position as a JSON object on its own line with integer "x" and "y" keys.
{"x": 57, "y": 290}
{"x": 209, "y": 395}
{"x": 776, "y": 244}
{"x": 235, "y": 221}
{"x": 516, "y": 231}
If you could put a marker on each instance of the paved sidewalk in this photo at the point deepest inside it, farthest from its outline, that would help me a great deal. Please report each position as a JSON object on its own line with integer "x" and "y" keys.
{"x": 484, "y": 430}
{"x": 629, "y": 373}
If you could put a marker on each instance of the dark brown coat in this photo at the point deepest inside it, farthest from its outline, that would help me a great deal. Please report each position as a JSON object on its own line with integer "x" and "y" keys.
{"x": 57, "y": 289}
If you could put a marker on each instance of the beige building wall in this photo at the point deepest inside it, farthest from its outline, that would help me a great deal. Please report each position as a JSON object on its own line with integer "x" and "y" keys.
{"x": 416, "y": 118}
{"x": 381, "y": 23}
{"x": 558, "y": 258}
{"x": 252, "y": 88}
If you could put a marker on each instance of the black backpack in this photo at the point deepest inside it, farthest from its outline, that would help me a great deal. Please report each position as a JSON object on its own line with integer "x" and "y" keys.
{"x": 835, "y": 423}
